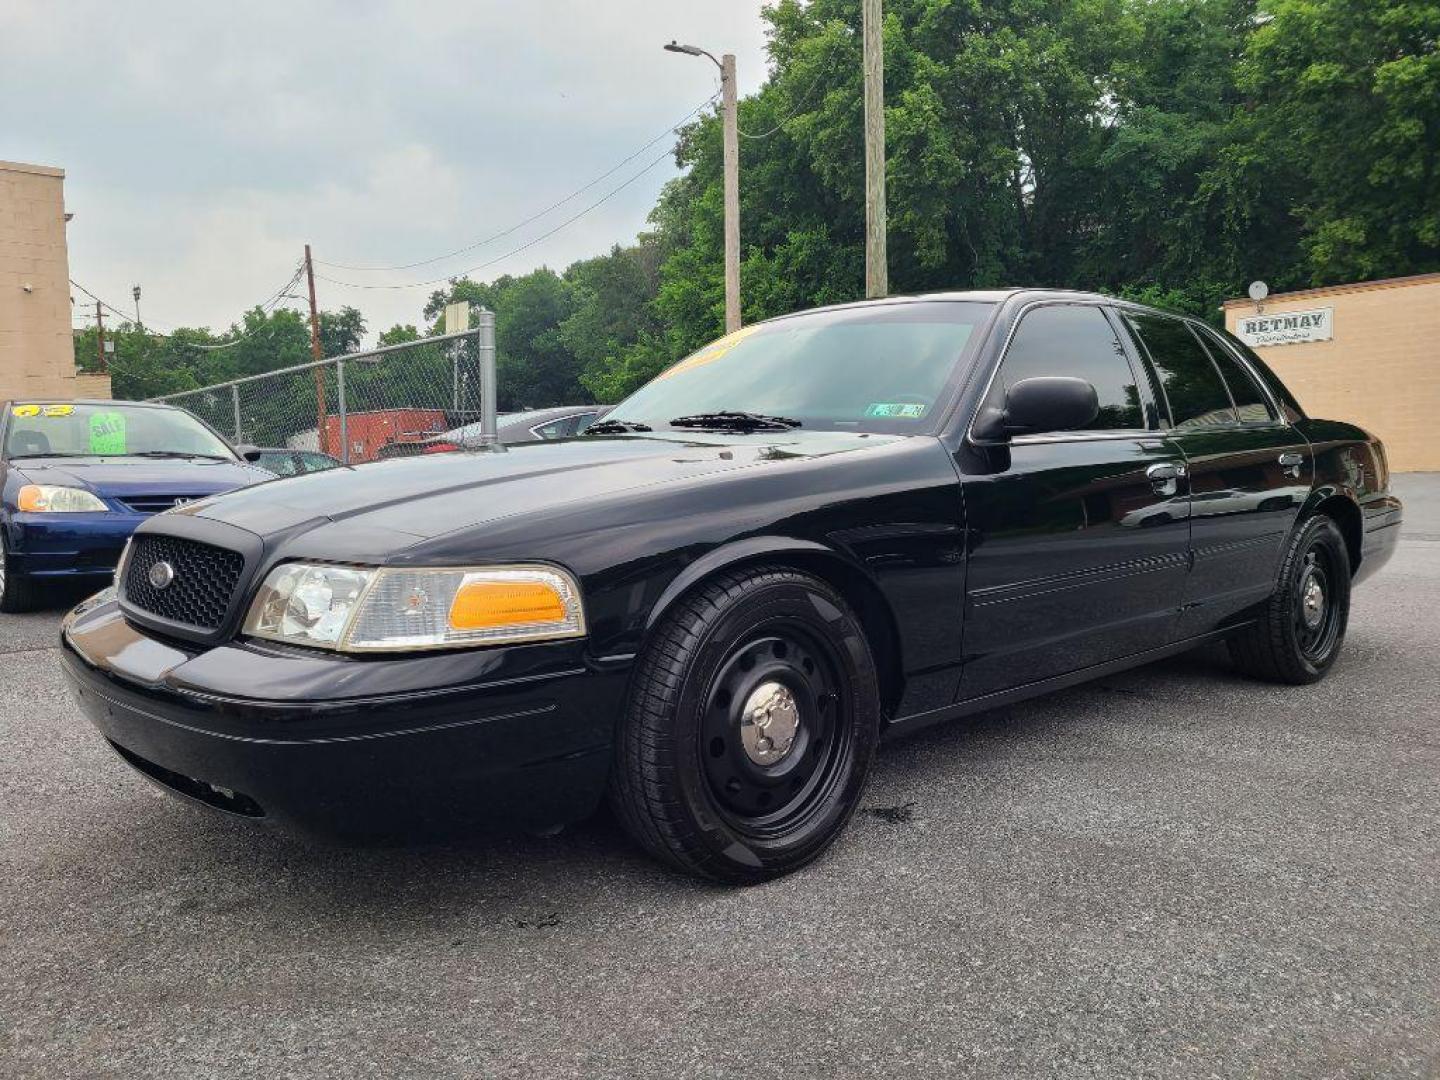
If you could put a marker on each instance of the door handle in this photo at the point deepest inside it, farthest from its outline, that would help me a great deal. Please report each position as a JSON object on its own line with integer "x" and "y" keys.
{"x": 1164, "y": 475}
{"x": 1290, "y": 463}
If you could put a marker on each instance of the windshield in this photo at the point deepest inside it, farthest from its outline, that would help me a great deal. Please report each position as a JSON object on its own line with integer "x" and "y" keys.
{"x": 879, "y": 368}
{"x": 108, "y": 429}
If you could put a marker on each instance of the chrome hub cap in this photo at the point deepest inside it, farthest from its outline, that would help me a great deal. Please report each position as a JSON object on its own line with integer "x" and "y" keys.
{"x": 769, "y": 722}
{"x": 1312, "y": 602}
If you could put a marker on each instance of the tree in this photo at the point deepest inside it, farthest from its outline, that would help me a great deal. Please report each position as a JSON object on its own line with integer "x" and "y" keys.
{"x": 1347, "y": 102}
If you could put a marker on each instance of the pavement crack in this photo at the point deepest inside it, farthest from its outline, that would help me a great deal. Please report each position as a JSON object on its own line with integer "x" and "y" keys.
{"x": 544, "y": 922}
{"x": 894, "y": 815}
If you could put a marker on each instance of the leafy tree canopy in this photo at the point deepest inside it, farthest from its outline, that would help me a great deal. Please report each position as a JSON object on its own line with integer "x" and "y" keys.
{"x": 1167, "y": 150}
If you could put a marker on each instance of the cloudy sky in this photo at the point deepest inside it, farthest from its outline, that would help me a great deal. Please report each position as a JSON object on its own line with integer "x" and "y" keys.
{"x": 204, "y": 143}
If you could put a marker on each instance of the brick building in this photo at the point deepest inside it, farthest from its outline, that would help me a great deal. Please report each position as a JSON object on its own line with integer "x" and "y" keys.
{"x": 1368, "y": 353}
{"x": 37, "y": 352}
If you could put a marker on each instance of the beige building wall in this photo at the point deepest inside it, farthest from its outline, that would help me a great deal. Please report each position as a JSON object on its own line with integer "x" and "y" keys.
{"x": 37, "y": 354}
{"x": 1381, "y": 369}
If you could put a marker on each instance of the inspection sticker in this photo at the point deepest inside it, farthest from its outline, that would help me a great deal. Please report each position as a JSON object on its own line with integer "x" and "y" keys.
{"x": 897, "y": 410}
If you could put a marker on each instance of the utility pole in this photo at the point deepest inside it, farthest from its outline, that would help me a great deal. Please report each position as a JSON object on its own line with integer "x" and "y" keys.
{"x": 135, "y": 292}
{"x": 319, "y": 354}
{"x": 732, "y": 193}
{"x": 729, "y": 107}
{"x": 877, "y": 281}
{"x": 100, "y": 338}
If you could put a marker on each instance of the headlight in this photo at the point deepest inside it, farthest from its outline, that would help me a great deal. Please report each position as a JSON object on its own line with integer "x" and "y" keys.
{"x": 49, "y": 499}
{"x": 395, "y": 610}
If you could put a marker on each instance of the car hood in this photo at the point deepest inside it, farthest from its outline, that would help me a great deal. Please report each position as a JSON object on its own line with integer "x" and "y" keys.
{"x": 119, "y": 477}
{"x": 427, "y": 496}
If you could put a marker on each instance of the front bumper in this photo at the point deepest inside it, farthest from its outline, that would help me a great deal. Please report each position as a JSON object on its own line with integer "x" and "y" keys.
{"x": 352, "y": 747}
{"x": 68, "y": 545}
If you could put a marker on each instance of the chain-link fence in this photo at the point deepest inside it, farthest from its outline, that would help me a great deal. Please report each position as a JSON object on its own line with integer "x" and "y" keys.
{"x": 367, "y": 405}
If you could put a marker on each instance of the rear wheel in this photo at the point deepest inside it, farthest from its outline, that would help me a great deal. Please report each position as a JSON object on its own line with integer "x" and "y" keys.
{"x": 753, "y": 716}
{"x": 17, "y": 593}
{"x": 1303, "y": 626}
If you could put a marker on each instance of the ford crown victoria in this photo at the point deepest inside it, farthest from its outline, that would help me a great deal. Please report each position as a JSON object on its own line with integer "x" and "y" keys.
{"x": 819, "y": 531}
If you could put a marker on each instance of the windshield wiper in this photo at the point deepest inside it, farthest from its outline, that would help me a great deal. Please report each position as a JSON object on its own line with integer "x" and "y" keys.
{"x": 170, "y": 454}
{"x": 615, "y": 427}
{"x": 729, "y": 420}
{"x": 20, "y": 457}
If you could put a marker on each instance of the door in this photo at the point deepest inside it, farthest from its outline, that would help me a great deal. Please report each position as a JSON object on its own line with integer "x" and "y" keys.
{"x": 1079, "y": 539}
{"x": 1250, "y": 471}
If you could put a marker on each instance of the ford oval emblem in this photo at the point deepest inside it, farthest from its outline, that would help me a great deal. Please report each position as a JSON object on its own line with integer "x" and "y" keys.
{"x": 161, "y": 575}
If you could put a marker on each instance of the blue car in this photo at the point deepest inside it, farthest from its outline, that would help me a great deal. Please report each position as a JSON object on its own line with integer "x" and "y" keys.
{"x": 77, "y": 477}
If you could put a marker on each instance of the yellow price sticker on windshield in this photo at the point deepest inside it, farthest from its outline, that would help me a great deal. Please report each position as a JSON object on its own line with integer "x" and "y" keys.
{"x": 59, "y": 410}
{"x": 709, "y": 353}
{"x": 25, "y": 410}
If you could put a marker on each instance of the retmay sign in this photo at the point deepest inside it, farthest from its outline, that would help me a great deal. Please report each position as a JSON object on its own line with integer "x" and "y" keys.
{"x": 1287, "y": 328}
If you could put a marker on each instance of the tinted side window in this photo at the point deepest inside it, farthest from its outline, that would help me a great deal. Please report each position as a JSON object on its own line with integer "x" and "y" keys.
{"x": 1250, "y": 402}
{"x": 1197, "y": 396}
{"x": 1077, "y": 341}
{"x": 1288, "y": 403}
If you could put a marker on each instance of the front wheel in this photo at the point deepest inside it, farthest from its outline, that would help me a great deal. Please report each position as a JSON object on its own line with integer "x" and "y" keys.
{"x": 1299, "y": 635}
{"x": 752, "y": 719}
{"x": 17, "y": 593}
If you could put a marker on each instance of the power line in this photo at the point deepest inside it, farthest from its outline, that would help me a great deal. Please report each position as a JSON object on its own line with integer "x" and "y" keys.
{"x": 800, "y": 104}
{"x": 267, "y": 306}
{"x": 107, "y": 305}
{"x": 533, "y": 217}
{"x": 514, "y": 251}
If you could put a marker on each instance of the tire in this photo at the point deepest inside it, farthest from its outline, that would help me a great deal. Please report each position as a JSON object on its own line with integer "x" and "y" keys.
{"x": 17, "y": 593}
{"x": 1302, "y": 628}
{"x": 743, "y": 803}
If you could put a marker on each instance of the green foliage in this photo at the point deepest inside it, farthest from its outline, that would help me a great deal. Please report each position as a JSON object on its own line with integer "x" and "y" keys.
{"x": 1165, "y": 150}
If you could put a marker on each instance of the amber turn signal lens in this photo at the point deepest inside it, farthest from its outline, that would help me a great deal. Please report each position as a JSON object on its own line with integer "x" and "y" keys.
{"x": 31, "y": 499}
{"x": 486, "y": 605}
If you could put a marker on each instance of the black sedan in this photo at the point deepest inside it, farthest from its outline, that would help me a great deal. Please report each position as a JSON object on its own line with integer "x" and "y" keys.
{"x": 818, "y": 531}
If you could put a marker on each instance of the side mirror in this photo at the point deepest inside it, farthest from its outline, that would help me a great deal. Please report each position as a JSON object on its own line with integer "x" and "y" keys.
{"x": 1033, "y": 406}
{"x": 248, "y": 452}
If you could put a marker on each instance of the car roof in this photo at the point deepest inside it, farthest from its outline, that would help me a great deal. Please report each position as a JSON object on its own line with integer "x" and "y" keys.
{"x": 985, "y": 296}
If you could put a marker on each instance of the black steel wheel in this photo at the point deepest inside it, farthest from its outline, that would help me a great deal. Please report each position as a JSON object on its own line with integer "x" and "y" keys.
{"x": 1299, "y": 634}
{"x": 753, "y": 716}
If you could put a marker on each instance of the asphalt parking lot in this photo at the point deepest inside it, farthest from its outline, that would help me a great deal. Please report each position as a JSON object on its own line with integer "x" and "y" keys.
{"x": 1173, "y": 872}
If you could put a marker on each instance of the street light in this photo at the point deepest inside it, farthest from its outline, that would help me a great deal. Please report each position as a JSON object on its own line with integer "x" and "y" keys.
{"x": 135, "y": 292}
{"x": 726, "y": 64}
